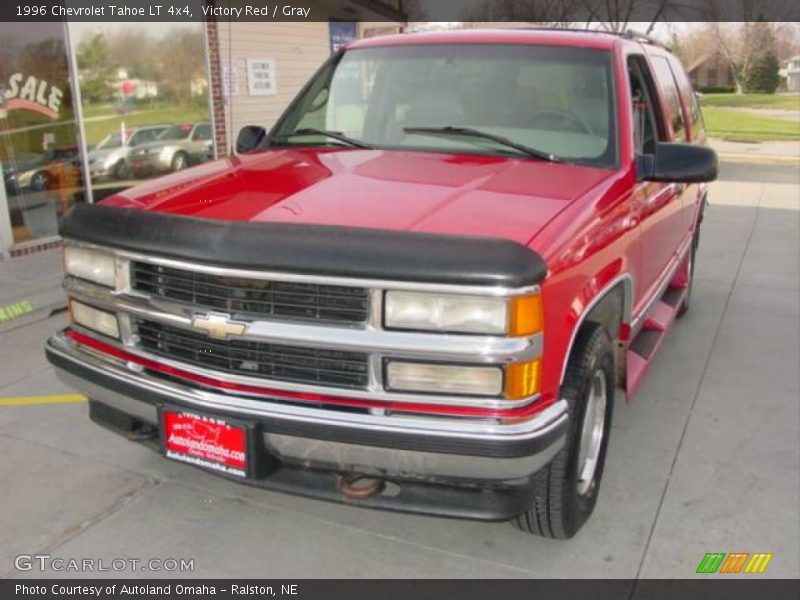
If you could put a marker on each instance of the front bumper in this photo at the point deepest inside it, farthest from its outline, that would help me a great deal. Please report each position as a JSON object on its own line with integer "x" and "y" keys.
{"x": 151, "y": 163}
{"x": 438, "y": 466}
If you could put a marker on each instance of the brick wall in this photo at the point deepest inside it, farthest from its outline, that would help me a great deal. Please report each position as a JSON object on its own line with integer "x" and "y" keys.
{"x": 217, "y": 98}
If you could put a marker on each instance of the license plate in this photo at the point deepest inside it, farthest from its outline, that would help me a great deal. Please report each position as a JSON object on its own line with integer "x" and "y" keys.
{"x": 205, "y": 441}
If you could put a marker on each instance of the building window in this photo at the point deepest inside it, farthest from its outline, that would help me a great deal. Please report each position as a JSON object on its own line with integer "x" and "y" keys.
{"x": 144, "y": 98}
{"x": 39, "y": 135}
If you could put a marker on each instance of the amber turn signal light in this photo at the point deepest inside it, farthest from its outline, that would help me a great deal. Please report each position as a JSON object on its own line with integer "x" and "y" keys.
{"x": 525, "y": 315}
{"x": 522, "y": 379}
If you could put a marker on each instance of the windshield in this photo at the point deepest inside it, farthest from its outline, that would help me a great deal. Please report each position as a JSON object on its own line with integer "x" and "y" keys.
{"x": 556, "y": 100}
{"x": 175, "y": 132}
{"x": 113, "y": 140}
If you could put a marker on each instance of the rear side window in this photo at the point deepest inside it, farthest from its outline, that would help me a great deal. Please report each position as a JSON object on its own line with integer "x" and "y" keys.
{"x": 669, "y": 89}
{"x": 689, "y": 97}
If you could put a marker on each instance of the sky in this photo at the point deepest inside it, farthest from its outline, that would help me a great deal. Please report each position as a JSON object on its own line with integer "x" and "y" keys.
{"x": 81, "y": 31}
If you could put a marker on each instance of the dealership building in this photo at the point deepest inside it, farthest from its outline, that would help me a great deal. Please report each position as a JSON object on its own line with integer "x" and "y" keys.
{"x": 82, "y": 103}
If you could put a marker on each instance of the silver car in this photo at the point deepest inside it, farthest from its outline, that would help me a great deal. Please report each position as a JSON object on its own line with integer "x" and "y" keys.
{"x": 111, "y": 158}
{"x": 178, "y": 147}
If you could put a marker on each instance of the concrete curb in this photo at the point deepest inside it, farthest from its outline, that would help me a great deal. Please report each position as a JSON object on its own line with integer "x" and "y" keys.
{"x": 758, "y": 158}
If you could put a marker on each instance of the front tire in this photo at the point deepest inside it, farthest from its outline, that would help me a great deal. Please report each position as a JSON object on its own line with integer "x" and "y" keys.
{"x": 179, "y": 162}
{"x": 122, "y": 171}
{"x": 565, "y": 491}
{"x": 40, "y": 181}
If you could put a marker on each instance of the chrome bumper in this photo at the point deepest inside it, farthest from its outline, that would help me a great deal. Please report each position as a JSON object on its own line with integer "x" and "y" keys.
{"x": 407, "y": 447}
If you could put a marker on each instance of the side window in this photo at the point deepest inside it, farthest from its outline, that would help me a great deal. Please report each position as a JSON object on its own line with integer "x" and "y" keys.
{"x": 689, "y": 98}
{"x": 646, "y": 131}
{"x": 666, "y": 82}
{"x": 202, "y": 132}
{"x": 142, "y": 137}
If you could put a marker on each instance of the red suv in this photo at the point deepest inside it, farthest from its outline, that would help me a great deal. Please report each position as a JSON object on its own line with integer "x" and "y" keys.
{"x": 421, "y": 290}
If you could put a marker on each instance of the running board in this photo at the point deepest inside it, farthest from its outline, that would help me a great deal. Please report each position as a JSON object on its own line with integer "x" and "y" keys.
{"x": 643, "y": 349}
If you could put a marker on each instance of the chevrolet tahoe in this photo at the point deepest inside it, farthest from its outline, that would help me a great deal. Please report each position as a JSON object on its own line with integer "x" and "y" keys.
{"x": 421, "y": 290}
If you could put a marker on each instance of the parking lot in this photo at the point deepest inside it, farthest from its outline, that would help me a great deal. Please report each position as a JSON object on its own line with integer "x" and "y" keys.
{"x": 707, "y": 459}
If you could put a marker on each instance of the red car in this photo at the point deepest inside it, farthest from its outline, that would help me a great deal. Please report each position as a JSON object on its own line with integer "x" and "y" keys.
{"x": 420, "y": 290}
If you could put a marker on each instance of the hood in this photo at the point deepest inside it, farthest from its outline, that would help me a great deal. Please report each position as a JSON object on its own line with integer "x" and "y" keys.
{"x": 400, "y": 190}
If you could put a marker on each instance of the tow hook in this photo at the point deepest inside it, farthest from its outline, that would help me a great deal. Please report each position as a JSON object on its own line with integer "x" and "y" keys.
{"x": 142, "y": 433}
{"x": 359, "y": 487}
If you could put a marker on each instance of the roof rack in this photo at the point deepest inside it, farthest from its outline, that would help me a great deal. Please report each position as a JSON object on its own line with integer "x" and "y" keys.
{"x": 628, "y": 34}
{"x": 638, "y": 36}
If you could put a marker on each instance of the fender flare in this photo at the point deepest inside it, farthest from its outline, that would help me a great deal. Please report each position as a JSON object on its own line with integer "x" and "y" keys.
{"x": 623, "y": 278}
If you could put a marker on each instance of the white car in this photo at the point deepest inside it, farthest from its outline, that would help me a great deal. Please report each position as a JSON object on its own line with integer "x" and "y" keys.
{"x": 111, "y": 157}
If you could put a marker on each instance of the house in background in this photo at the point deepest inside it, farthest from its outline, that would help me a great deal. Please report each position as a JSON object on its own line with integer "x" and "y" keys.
{"x": 710, "y": 70}
{"x": 791, "y": 75}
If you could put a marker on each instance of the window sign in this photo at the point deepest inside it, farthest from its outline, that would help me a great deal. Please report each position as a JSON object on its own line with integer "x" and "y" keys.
{"x": 261, "y": 77}
{"x": 27, "y": 92}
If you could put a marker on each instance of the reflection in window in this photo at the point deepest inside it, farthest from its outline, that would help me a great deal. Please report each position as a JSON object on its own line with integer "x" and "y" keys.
{"x": 38, "y": 133}
{"x": 143, "y": 87}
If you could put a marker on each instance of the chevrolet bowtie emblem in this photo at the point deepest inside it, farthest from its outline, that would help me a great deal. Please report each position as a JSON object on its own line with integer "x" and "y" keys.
{"x": 218, "y": 326}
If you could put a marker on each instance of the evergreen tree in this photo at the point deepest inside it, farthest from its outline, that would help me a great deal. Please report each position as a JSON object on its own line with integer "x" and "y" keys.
{"x": 764, "y": 76}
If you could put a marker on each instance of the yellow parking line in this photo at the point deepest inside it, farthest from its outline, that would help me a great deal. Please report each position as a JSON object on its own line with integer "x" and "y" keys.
{"x": 55, "y": 399}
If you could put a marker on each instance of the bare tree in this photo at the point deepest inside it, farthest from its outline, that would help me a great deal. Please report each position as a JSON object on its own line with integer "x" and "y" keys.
{"x": 181, "y": 60}
{"x": 608, "y": 15}
{"x": 133, "y": 48}
{"x": 742, "y": 45}
{"x": 553, "y": 13}
{"x": 694, "y": 44}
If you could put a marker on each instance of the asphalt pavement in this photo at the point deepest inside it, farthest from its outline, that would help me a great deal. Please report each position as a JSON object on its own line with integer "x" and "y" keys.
{"x": 707, "y": 458}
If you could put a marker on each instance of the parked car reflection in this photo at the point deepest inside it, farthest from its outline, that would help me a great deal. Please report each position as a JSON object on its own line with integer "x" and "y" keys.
{"x": 177, "y": 148}
{"x": 57, "y": 167}
{"x": 111, "y": 158}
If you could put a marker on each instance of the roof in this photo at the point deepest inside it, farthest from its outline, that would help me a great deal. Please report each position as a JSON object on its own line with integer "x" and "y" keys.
{"x": 702, "y": 59}
{"x": 560, "y": 37}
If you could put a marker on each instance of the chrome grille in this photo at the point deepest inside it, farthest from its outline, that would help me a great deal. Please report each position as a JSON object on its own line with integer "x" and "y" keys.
{"x": 257, "y": 297}
{"x": 313, "y": 366}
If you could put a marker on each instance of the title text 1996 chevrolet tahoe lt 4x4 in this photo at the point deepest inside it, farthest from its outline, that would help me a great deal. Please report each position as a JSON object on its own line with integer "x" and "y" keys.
{"x": 419, "y": 291}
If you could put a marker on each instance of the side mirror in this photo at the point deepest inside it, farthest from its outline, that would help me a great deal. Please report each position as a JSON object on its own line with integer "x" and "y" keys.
{"x": 250, "y": 137}
{"x": 678, "y": 163}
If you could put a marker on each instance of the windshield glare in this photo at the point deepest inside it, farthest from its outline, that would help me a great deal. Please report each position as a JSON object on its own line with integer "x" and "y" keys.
{"x": 113, "y": 140}
{"x": 554, "y": 99}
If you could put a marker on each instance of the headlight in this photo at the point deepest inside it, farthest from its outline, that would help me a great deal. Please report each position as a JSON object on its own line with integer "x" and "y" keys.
{"x": 95, "y": 266}
{"x": 512, "y": 382}
{"x": 457, "y": 313}
{"x": 444, "y": 379}
{"x": 94, "y": 319}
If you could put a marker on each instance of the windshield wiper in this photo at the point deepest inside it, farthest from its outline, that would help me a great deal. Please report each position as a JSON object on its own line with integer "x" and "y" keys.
{"x": 477, "y": 133}
{"x": 308, "y": 131}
